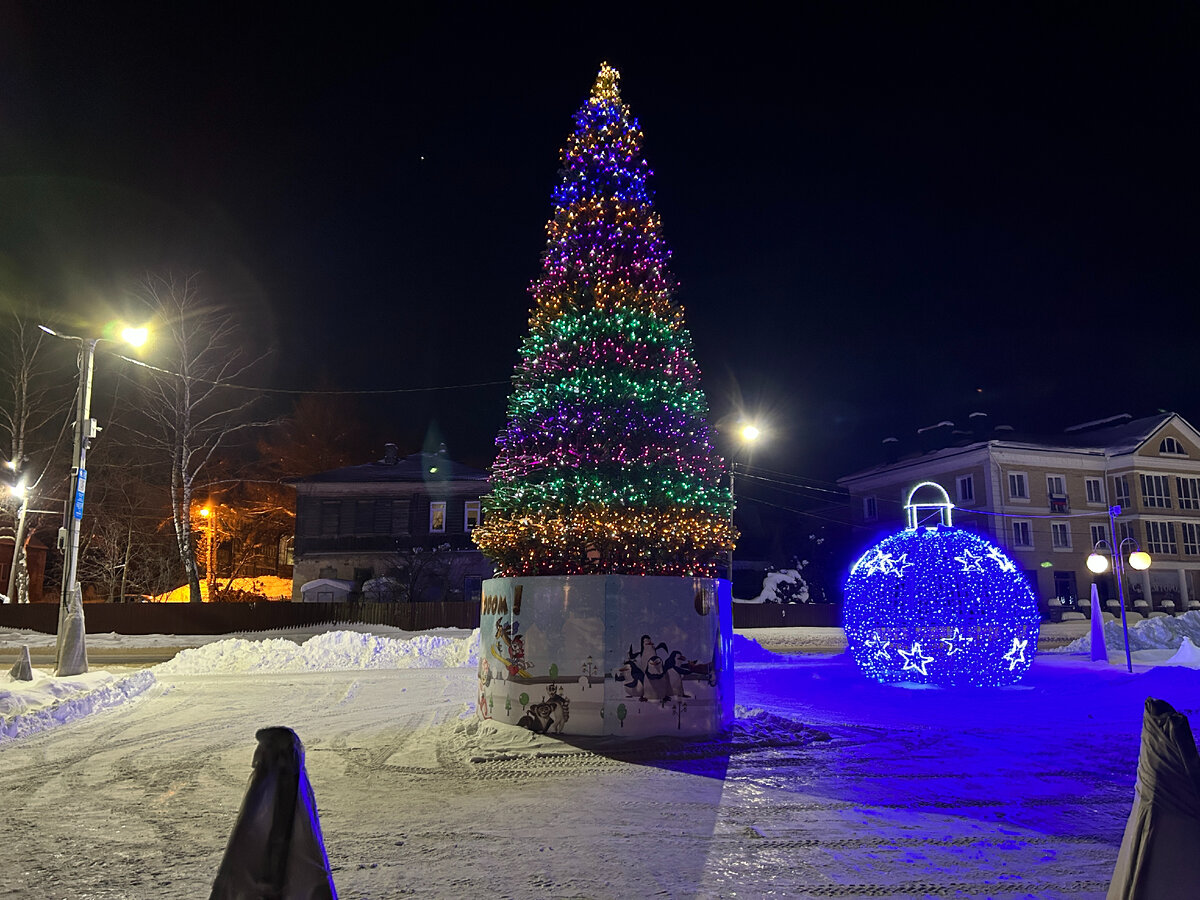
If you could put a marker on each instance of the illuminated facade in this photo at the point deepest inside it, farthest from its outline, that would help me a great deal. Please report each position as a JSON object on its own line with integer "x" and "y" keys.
{"x": 361, "y": 523}
{"x": 1045, "y": 500}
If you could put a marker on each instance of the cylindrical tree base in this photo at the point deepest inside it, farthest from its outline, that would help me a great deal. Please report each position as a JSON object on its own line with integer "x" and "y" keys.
{"x": 623, "y": 655}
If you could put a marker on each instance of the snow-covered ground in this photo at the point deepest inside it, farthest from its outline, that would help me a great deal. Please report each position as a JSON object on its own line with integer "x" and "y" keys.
{"x": 126, "y": 783}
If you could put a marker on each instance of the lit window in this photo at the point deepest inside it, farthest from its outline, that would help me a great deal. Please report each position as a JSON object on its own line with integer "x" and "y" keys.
{"x": 437, "y": 517}
{"x": 470, "y": 514}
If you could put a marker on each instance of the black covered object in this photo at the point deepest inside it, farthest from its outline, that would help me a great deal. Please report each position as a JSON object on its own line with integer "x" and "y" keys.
{"x": 1160, "y": 853}
{"x": 276, "y": 851}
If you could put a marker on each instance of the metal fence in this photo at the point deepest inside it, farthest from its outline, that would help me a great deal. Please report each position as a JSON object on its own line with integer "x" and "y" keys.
{"x": 227, "y": 618}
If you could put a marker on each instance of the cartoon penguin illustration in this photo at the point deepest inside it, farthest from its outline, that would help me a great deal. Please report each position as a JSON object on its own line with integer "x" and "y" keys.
{"x": 637, "y": 663}
{"x": 676, "y": 667}
{"x": 657, "y": 684}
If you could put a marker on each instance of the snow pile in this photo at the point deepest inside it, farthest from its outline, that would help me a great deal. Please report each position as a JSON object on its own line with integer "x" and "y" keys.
{"x": 325, "y": 652}
{"x": 784, "y": 586}
{"x": 748, "y": 650}
{"x": 490, "y": 741}
{"x": 31, "y": 706}
{"x": 1149, "y": 637}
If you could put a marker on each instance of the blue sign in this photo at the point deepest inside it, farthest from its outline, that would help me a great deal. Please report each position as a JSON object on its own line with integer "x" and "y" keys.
{"x": 79, "y": 493}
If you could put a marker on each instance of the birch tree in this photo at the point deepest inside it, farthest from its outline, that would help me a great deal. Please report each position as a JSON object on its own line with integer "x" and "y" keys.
{"x": 193, "y": 396}
{"x": 34, "y": 401}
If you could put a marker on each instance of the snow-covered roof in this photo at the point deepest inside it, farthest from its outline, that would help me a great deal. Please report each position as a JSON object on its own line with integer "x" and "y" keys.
{"x": 417, "y": 467}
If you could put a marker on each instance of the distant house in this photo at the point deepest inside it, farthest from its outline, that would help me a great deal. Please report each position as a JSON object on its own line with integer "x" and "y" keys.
{"x": 1046, "y": 499}
{"x": 398, "y": 529}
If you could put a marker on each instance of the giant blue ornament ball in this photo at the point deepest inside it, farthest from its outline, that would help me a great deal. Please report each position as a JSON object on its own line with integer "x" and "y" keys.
{"x": 940, "y": 606}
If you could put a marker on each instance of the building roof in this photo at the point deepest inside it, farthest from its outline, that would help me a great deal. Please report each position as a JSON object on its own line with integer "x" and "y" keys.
{"x": 1114, "y": 436}
{"x": 393, "y": 469}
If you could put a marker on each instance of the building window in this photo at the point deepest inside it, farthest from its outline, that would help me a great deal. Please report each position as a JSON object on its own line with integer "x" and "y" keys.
{"x": 1095, "y": 490}
{"x": 437, "y": 517}
{"x": 330, "y": 514}
{"x": 1160, "y": 537}
{"x": 1056, "y": 485}
{"x": 1060, "y": 532}
{"x": 470, "y": 514}
{"x": 473, "y": 588}
{"x": 1171, "y": 446}
{"x": 1156, "y": 492}
{"x": 1021, "y": 533}
{"x": 1189, "y": 492}
{"x": 1018, "y": 487}
{"x": 966, "y": 490}
{"x": 870, "y": 509}
{"x": 286, "y": 553}
{"x": 364, "y": 516}
{"x": 1191, "y": 538}
{"x": 1126, "y": 531}
{"x": 1099, "y": 533}
{"x": 1121, "y": 490}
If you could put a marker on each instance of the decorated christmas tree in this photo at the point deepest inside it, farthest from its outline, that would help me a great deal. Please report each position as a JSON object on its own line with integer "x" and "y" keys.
{"x": 606, "y": 463}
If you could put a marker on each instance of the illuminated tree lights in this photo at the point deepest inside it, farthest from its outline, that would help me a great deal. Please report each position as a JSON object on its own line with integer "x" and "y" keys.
{"x": 606, "y": 464}
{"x": 940, "y": 606}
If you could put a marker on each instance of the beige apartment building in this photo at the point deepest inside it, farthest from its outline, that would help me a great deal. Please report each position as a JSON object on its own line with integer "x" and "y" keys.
{"x": 1046, "y": 501}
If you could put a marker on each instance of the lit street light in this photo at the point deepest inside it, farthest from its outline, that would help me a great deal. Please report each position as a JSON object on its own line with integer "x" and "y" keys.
{"x": 70, "y": 653}
{"x": 1098, "y": 564}
{"x": 748, "y": 433}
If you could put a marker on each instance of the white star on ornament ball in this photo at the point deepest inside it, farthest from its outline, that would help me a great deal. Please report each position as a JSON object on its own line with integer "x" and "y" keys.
{"x": 971, "y": 561}
{"x": 1016, "y": 653}
{"x": 956, "y": 643}
{"x": 878, "y": 646}
{"x": 915, "y": 659}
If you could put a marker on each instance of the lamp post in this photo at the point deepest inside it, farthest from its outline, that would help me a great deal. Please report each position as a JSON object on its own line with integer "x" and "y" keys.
{"x": 209, "y": 515}
{"x": 747, "y": 433}
{"x": 1138, "y": 559}
{"x": 70, "y": 652}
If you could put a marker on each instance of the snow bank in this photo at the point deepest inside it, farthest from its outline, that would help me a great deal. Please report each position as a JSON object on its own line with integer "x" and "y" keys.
{"x": 27, "y": 707}
{"x": 325, "y": 652}
{"x": 1148, "y": 636}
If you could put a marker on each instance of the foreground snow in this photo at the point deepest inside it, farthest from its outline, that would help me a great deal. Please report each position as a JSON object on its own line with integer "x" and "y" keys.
{"x": 829, "y": 785}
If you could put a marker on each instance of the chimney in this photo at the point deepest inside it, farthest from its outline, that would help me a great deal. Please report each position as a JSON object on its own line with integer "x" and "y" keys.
{"x": 935, "y": 437}
{"x": 391, "y": 454}
{"x": 891, "y": 450}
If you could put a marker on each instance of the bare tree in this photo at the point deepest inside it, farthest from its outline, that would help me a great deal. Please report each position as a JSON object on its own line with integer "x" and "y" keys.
{"x": 34, "y": 399}
{"x": 192, "y": 399}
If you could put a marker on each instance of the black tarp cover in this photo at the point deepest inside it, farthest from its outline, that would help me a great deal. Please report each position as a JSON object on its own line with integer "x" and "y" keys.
{"x": 276, "y": 851}
{"x": 1160, "y": 852}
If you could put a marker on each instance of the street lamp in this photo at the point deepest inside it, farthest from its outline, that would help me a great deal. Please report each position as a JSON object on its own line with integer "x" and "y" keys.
{"x": 1098, "y": 564}
{"x": 209, "y": 515}
{"x": 748, "y": 433}
{"x": 71, "y": 648}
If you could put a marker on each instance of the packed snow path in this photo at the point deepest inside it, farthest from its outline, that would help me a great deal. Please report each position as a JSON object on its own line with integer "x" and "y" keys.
{"x": 830, "y": 786}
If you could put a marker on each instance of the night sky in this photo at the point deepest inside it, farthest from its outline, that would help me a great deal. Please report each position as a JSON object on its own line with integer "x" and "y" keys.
{"x": 881, "y": 216}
